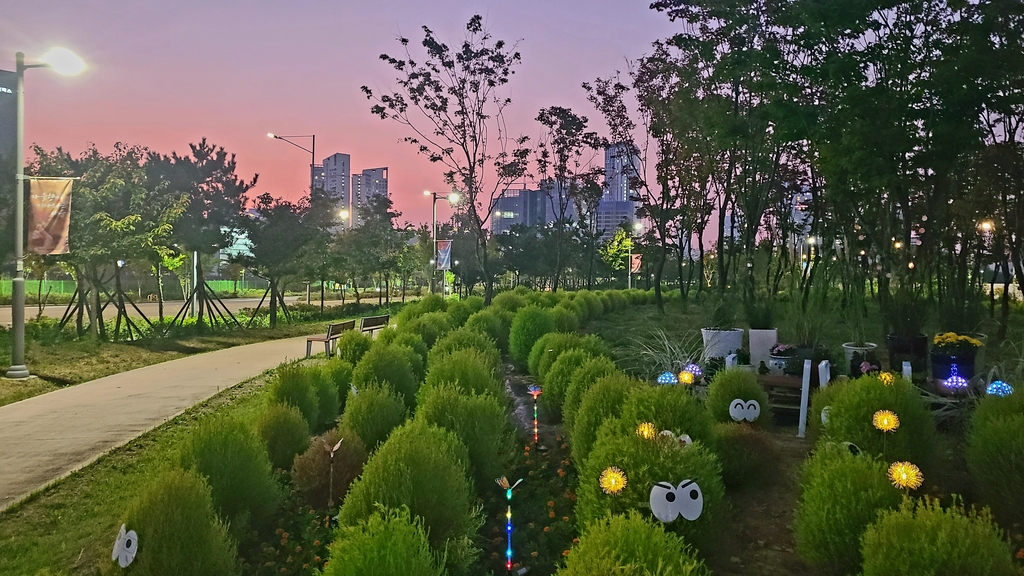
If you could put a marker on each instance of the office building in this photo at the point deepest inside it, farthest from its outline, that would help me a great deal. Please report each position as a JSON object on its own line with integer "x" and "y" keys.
{"x": 369, "y": 183}
{"x": 337, "y": 169}
{"x": 317, "y": 177}
{"x": 611, "y": 214}
{"x": 619, "y": 169}
{"x": 519, "y": 206}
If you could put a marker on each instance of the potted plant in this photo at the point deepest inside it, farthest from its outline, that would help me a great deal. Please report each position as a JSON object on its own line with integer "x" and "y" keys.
{"x": 858, "y": 349}
{"x": 779, "y": 357}
{"x": 720, "y": 336}
{"x": 905, "y": 314}
{"x": 763, "y": 333}
{"x": 950, "y": 350}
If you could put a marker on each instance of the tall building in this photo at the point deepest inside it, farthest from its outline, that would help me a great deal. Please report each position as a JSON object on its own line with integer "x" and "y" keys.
{"x": 371, "y": 182}
{"x": 317, "y": 176}
{"x": 336, "y": 171}
{"x": 612, "y": 213}
{"x": 519, "y": 206}
{"x": 619, "y": 169}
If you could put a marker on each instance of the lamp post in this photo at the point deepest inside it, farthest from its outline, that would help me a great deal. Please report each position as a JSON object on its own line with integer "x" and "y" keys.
{"x": 452, "y": 199}
{"x": 312, "y": 153}
{"x": 66, "y": 63}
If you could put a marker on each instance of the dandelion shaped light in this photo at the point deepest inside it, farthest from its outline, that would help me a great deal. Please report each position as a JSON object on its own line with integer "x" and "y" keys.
{"x": 905, "y": 475}
{"x": 887, "y": 378}
{"x": 668, "y": 378}
{"x": 955, "y": 381}
{"x": 613, "y": 481}
{"x": 999, "y": 388}
{"x": 686, "y": 378}
{"x": 885, "y": 420}
{"x": 647, "y": 431}
{"x": 693, "y": 369}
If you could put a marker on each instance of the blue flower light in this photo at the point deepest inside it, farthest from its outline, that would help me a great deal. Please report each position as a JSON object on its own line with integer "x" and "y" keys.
{"x": 668, "y": 378}
{"x": 693, "y": 369}
{"x": 999, "y": 388}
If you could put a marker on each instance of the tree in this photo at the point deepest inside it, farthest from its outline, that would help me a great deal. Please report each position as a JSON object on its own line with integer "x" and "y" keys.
{"x": 453, "y": 104}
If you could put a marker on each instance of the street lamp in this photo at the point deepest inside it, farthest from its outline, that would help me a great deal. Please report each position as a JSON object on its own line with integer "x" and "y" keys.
{"x": 453, "y": 198}
{"x": 64, "y": 62}
{"x": 312, "y": 153}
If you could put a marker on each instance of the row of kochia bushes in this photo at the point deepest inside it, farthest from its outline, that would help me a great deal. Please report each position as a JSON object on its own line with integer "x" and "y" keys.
{"x": 854, "y": 517}
{"x": 423, "y": 421}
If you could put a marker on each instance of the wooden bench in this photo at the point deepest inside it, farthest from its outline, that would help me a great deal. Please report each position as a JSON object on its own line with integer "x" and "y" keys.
{"x": 372, "y": 323}
{"x": 333, "y": 333}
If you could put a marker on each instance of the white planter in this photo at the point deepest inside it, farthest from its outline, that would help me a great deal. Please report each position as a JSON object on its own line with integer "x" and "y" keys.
{"x": 850, "y": 348}
{"x": 721, "y": 343}
{"x": 761, "y": 342}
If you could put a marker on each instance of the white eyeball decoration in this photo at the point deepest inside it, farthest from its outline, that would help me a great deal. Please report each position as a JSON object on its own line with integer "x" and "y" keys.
{"x": 125, "y": 547}
{"x": 670, "y": 502}
{"x": 684, "y": 440}
{"x": 741, "y": 410}
{"x": 824, "y": 415}
{"x": 853, "y": 448}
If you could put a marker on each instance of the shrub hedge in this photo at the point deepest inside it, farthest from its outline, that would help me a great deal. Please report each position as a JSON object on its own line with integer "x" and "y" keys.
{"x": 328, "y": 405}
{"x": 467, "y": 338}
{"x": 294, "y": 385}
{"x": 748, "y": 455}
{"x": 581, "y": 380}
{"x": 995, "y": 458}
{"x": 551, "y": 343}
{"x": 491, "y": 323}
{"x": 284, "y": 432}
{"x": 510, "y": 301}
{"x": 528, "y": 326}
{"x": 672, "y": 408}
{"x": 372, "y": 411}
{"x": 602, "y": 401}
{"x": 734, "y": 383}
{"x": 390, "y": 366}
{"x": 339, "y": 372}
{"x": 429, "y": 327}
{"x": 389, "y": 542}
{"x": 352, "y": 344}
{"x": 556, "y": 382}
{"x": 565, "y": 320}
{"x": 311, "y": 472}
{"x": 469, "y": 370}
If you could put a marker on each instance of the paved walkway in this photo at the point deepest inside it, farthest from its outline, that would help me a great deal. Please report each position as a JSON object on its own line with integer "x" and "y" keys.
{"x": 46, "y": 437}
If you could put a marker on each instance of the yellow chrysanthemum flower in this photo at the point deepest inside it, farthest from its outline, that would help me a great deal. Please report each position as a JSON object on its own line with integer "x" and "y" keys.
{"x": 887, "y": 378}
{"x": 613, "y": 480}
{"x": 647, "y": 431}
{"x": 885, "y": 420}
{"x": 905, "y": 475}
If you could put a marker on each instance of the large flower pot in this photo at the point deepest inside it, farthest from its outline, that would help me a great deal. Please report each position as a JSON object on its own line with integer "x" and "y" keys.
{"x": 908, "y": 348}
{"x": 761, "y": 342}
{"x": 942, "y": 365}
{"x": 852, "y": 348}
{"x": 777, "y": 364}
{"x": 721, "y": 343}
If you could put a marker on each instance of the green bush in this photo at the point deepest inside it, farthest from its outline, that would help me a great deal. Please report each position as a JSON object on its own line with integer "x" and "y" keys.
{"x": 577, "y": 307}
{"x": 734, "y": 383}
{"x": 992, "y": 407}
{"x": 429, "y": 303}
{"x": 822, "y": 398}
{"x": 593, "y": 303}
{"x": 178, "y": 531}
{"x": 552, "y": 343}
{"x": 492, "y": 324}
{"x": 849, "y": 420}
{"x": 748, "y": 455}
{"x": 425, "y": 468}
{"x": 479, "y": 421}
{"x": 607, "y": 306}
{"x": 414, "y": 342}
{"x": 646, "y": 462}
{"x": 469, "y": 370}
{"x": 590, "y": 344}
{"x": 415, "y": 360}
{"x": 604, "y": 400}
{"x": 995, "y": 458}
{"x": 339, "y": 372}
{"x": 390, "y": 366}
{"x": 294, "y": 385}
{"x": 328, "y": 405}
{"x": 841, "y": 495}
{"x": 372, "y": 412}
{"x": 672, "y": 408}
{"x": 284, "y": 432}
{"x": 389, "y": 542}
{"x": 557, "y": 380}
{"x": 460, "y": 311}
{"x": 619, "y": 300}
{"x": 311, "y": 472}
{"x": 529, "y": 325}
{"x": 581, "y": 380}
{"x": 922, "y": 538}
{"x": 429, "y": 327}
{"x": 351, "y": 346}
{"x": 508, "y": 301}
{"x": 631, "y": 545}
{"x": 565, "y": 320}
{"x": 237, "y": 469}
{"x": 467, "y": 338}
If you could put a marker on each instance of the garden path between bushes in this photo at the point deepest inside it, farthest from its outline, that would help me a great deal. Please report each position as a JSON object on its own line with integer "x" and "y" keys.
{"x": 45, "y": 438}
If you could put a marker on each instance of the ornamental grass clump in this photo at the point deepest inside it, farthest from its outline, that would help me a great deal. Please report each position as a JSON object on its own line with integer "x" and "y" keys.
{"x": 630, "y": 544}
{"x": 178, "y": 530}
{"x": 672, "y": 408}
{"x": 467, "y": 369}
{"x": 464, "y": 338}
{"x": 351, "y": 346}
{"x": 556, "y": 382}
{"x": 581, "y": 380}
{"x": 372, "y": 412}
{"x": 311, "y": 471}
{"x": 429, "y": 327}
{"x": 492, "y": 324}
{"x": 995, "y": 459}
{"x": 604, "y": 400}
{"x": 528, "y": 326}
{"x": 645, "y": 462}
{"x": 284, "y": 433}
{"x": 389, "y": 366}
{"x": 921, "y": 537}
{"x": 293, "y": 384}
{"x": 841, "y": 494}
{"x": 389, "y": 542}
{"x": 732, "y": 384}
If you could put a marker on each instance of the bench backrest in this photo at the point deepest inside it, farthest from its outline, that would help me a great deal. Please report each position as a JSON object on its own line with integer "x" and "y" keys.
{"x": 375, "y": 322}
{"x": 336, "y": 329}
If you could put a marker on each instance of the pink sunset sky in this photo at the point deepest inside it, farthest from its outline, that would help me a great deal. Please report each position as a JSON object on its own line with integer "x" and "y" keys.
{"x": 163, "y": 74}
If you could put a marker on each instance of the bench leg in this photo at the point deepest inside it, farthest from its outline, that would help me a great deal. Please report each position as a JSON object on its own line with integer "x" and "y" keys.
{"x": 309, "y": 348}
{"x": 327, "y": 348}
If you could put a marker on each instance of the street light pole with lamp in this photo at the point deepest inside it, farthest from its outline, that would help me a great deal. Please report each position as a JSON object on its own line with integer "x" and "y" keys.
{"x": 312, "y": 153}
{"x": 452, "y": 199}
{"x": 66, "y": 63}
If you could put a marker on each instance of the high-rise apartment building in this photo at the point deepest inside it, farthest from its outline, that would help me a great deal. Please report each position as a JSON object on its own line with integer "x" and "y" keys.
{"x": 519, "y": 206}
{"x": 619, "y": 169}
{"x": 337, "y": 169}
{"x": 317, "y": 177}
{"x": 371, "y": 182}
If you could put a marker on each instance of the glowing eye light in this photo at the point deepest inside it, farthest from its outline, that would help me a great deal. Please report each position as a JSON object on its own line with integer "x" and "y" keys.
{"x": 613, "y": 480}
{"x": 885, "y": 420}
{"x": 905, "y": 475}
{"x": 647, "y": 431}
{"x": 693, "y": 369}
{"x": 668, "y": 378}
{"x": 999, "y": 388}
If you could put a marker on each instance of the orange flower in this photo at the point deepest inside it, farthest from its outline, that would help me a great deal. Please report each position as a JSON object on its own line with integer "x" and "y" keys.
{"x": 534, "y": 553}
{"x": 558, "y": 438}
{"x": 316, "y": 542}
{"x": 561, "y": 473}
{"x": 551, "y": 514}
{"x": 565, "y": 446}
{"x": 565, "y": 518}
{"x": 565, "y": 552}
{"x": 494, "y": 555}
{"x": 551, "y": 503}
{"x": 547, "y": 528}
{"x": 1020, "y": 554}
{"x": 575, "y": 540}
{"x": 316, "y": 559}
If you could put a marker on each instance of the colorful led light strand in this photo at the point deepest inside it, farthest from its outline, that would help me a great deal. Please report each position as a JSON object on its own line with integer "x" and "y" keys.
{"x": 534, "y": 391}
{"x": 503, "y": 483}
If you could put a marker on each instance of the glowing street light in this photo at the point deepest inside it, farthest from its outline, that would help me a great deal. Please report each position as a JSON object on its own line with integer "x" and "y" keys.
{"x": 453, "y": 198}
{"x": 64, "y": 62}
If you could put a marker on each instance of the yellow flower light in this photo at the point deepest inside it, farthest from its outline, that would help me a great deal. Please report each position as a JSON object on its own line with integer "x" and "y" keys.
{"x": 905, "y": 475}
{"x": 885, "y": 420}
{"x": 647, "y": 431}
{"x": 887, "y": 378}
{"x": 686, "y": 378}
{"x": 613, "y": 480}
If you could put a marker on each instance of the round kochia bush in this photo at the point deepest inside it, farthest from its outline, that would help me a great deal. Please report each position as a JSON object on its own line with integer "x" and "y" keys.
{"x": 581, "y": 380}
{"x": 508, "y": 301}
{"x": 294, "y": 385}
{"x": 460, "y": 311}
{"x": 529, "y": 325}
{"x": 339, "y": 372}
{"x": 733, "y": 383}
{"x": 388, "y": 542}
{"x": 179, "y": 533}
{"x": 748, "y": 455}
{"x": 311, "y": 471}
{"x": 672, "y": 408}
{"x": 646, "y": 462}
{"x": 604, "y": 400}
{"x": 464, "y": 338}
{"x": 630, "y": 544}
{"x": 326, "y": 398}
{"x": 551, "y": 343}
{"x": 558, "y": 377}
{"x": 351, "y": 346}
{"x": 467, "y": 369}
{"x": 491, "y": 323}
{"x": 995, "y": 457}
{"x": 841, "y": 495}
{"x": 284, "y": 433}
{"x": 386, "y": 365}
{"x": 590, "y": 344}
{"x": 372, "y": 412}
{"x": 565, "y": 320}
{"x": 429, "y": 327}
{"x": 821, "y": 399}
{"x": 923, "y": 538}
{"x": 991, "y": 407}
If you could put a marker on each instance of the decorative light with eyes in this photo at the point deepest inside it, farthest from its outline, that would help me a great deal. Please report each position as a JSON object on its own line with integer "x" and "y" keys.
{"x": 125, "y": 547}
{"x": 741, "y": 410}
{"x": 669, "y": 502}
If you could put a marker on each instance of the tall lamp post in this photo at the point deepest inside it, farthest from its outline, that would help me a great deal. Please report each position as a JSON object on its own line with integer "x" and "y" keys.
{"x": 452, "y": 199}
{"x": 312, "y": 153}
{"x": 64, "y": 62}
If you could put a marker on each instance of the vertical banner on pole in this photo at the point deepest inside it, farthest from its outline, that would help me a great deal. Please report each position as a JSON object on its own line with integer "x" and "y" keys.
{"x": 444, "y": 254}
{"x": 635, "y": 263}
{"x": 49, "y": 215}
{"x": 8, "y": 155}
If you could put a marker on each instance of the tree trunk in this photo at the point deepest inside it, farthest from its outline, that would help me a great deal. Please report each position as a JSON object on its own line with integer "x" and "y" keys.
{"x": 273, "y": 303}
{"x": 160, "y": 292}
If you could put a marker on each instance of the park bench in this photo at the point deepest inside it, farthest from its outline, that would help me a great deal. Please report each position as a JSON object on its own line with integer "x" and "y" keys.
{"x": 372, "y": 323}
{"x": 333, "y": 333}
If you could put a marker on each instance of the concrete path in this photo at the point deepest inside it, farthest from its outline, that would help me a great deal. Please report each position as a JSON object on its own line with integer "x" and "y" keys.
{"x": 46, "y": 437}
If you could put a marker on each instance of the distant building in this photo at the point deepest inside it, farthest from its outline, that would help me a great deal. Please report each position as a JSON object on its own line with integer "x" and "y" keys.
{"x": 612, "y": 213}
{"x": 317, "y": 176}
{"x": 619, "y": 170}
{"x": 371, "y": 182}
{"x": 337, "y": 169}
{"x": 519, "y": 206}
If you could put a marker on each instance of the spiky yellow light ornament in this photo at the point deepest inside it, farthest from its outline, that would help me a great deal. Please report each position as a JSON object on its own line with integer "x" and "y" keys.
{"x": 613, "y": 480}
{"x": 647, "y": 431}
{"x": 887, "y": 378}
{"x": 885, "y": 420}
{"x": 905, "y": 475}
{"x": 686, "y": 378}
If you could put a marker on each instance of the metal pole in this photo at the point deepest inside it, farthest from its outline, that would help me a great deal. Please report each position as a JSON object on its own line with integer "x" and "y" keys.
{"x": 312, "y": 164}
{"x": 195, "y": 281}
{"x": 629, "y": 270}
{"x": 433, "y": 236}
{"x": 18, "y": 368}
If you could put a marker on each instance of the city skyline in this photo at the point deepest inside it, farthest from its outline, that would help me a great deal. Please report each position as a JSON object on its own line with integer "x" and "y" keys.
{"x": 173, "y": 75}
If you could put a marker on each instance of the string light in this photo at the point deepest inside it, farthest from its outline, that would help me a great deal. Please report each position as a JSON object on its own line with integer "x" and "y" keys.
{"x": 668, "y": 378}
{"x": 503, "y": 483}
{"x": 613, "y": 480}
{"x": 535, "y": 391}
{"x": 999, "y": 388}
{"x": 955, "y": 380}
